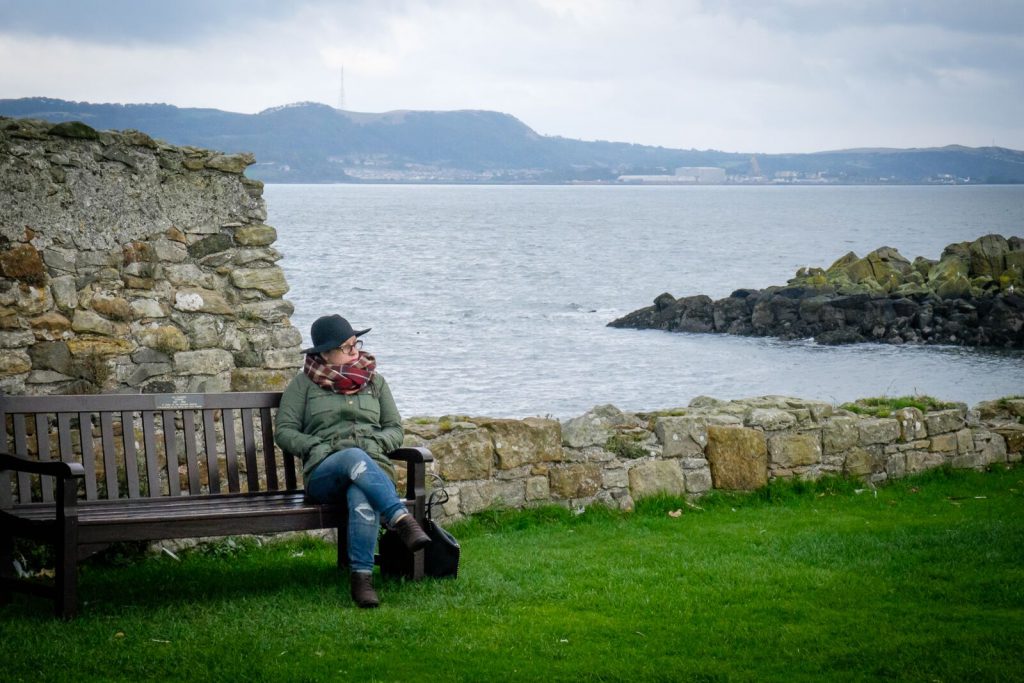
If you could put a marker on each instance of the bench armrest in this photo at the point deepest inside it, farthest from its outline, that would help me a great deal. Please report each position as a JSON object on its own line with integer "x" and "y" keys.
{"x": 416, "y": 459}
{"x": 414, "y": 454}
{"x": 52, "y": 468}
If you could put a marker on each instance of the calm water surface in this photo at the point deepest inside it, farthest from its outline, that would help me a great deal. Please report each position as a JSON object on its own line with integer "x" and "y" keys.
{"x": 493, "y": 300}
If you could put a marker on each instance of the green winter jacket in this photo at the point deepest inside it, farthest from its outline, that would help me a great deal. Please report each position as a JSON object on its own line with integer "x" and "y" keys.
{"x": 313, "y": 422}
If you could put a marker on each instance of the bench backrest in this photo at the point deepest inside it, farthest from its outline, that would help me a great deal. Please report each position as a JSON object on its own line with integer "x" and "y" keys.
{"x": 147, "y": 445}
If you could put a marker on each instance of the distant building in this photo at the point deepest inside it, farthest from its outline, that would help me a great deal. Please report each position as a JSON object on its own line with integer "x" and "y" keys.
{"x": 684, "y": 175}
{"x": 703, "y": 175}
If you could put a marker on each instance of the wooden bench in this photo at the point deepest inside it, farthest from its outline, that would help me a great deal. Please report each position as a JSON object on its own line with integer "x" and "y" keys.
{"x": 82, "y": 472}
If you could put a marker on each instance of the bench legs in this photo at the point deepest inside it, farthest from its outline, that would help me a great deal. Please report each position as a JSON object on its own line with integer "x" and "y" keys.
{"x": 65, "y": 587}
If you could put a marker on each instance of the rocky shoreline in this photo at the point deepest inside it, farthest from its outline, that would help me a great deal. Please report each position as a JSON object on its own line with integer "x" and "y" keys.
{"x": 973, "y": 295}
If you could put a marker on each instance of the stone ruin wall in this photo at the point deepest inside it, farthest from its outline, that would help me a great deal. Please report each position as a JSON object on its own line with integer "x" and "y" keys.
{"x": 612, "y": 457}
{"x": 128, "y": 265}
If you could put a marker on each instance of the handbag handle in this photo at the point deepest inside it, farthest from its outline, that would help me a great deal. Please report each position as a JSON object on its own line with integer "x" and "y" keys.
{"x": 438, "y": 494}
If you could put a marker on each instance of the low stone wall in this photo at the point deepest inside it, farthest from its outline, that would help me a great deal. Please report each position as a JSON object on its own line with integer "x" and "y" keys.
{"x": 130, "y": 265}
{"x": 611, "y": 457}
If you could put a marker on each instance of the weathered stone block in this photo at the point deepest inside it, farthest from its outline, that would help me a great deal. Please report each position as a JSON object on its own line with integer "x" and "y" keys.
{"x": 575, "y": 480}
{"x": 615, "y": 478}
{"x": 202, "y": 300}
{"x": 464, "y": 455}
{"x": 112, "y": 307}
{"x": 90, "y": 322}
{"x": 859, "y": 462}
{"x": 738, "y": 457}
{"x": 16, "y": 339}
{"x": 839, "y": 434}
{"x": 964, "y": 441}
{"x": 697, "y": 481}
{"x": 255, "y": 235}
{"x": 991, "y": 446}
{"x": 203, "y": 362}
{"x": 770, "y": 419}
{"x": 272, "y": 311}
{"x": 537, "y": 488}
{"x": 84, "y": 347}
{"x": 147, "y": 308}
{"x": 65, "y": 292}
{"x": 252, "y": 379}
{"x": 23, "y": 263}
{"x": 31, "y": 300}
{"x": 594, "y": 427}
{"x": 481, "y": 495}
{"x": 50, "y": 326}
{"x": 896, "y": 466}
{"x": 282, "y": 358}
{"x": 912, "y": 426}
{"x": 164, "y": 338}
{"x": 682, "y": 437}
{"x": 135, "y": 375}
{"x": 1013, "y": 435}
{"x": 878, "y": 431}
{"x": 51, "y": 356}
{"x": 650, "y": 477}
{"x": 270, "y": 280}
{"x": 170, "y": 251}
{"x": 188, "y": 275}
{"x": 212, "y": 244}
{"x": 14, "y": 363}
{"x": 918, "y": 461}
{"x": 523, "y": 442}
{"x": 230, "y": 163}
{"x": 942, "y": 421}
{"x": 795, "y": 450}
{"x": 944, "y": 443}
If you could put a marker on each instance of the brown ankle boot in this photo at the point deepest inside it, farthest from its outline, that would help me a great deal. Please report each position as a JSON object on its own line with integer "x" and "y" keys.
{"x": 411, "y": 533}
{"x": 362, "y": 590}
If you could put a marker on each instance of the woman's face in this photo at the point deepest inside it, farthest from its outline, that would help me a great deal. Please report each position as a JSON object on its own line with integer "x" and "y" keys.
{"x": 348, "y": 352}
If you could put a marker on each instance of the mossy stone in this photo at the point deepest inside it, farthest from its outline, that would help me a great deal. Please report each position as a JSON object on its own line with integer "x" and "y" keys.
{"x": 76, "y": 130}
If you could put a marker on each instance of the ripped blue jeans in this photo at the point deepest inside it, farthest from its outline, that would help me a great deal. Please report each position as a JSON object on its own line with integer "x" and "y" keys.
{"x": 371, "y": 496}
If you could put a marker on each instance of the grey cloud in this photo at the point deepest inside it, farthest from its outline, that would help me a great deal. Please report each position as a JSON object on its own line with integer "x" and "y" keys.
{"x": 1000, "y": 17}
{"x": 133, "y": 21}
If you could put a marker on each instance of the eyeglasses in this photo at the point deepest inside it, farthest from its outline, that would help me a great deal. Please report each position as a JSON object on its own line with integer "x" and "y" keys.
{"x": 349, "y": 348}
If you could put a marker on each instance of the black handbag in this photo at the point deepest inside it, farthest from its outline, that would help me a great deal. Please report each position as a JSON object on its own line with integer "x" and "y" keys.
{"x": 440, "y": 558}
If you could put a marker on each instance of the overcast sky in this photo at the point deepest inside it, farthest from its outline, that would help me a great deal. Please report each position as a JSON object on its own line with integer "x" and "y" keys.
{"x": 735, "y": 75}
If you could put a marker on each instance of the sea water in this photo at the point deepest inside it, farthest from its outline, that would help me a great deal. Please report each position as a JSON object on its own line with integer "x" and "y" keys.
{"x": 494, "y": 300}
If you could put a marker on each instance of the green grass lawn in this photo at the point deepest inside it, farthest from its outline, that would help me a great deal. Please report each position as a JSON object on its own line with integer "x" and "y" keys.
{"x": 922, "y": 580}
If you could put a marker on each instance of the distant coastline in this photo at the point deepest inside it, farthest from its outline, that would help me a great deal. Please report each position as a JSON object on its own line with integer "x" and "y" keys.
{"x": 309, "y": 142}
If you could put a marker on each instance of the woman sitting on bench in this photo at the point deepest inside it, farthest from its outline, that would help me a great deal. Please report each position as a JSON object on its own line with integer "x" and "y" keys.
{"x": 339, "y": 416}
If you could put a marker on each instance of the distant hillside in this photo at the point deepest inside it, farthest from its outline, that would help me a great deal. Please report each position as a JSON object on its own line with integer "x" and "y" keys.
{"x": 309, "y": 143}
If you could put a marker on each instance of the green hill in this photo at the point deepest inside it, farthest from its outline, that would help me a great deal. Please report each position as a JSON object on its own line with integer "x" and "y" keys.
{"x": 309, "y": 142}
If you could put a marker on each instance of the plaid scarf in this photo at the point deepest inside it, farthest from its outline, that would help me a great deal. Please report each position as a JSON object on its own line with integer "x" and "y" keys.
{"x": 341, "y": 379}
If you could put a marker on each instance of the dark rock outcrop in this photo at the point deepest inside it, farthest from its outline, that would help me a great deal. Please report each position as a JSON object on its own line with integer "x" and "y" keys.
{"x": 971, "y": 296}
